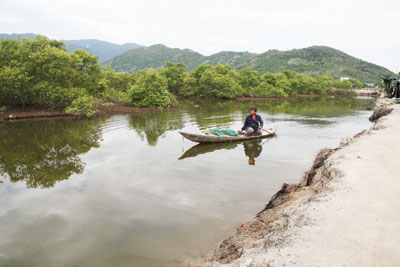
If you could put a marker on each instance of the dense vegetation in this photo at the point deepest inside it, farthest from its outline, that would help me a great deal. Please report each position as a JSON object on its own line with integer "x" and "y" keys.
{"x": 312, "y": 61}
{"x": 41, "y": 72}
{"x": 222, "y": 81}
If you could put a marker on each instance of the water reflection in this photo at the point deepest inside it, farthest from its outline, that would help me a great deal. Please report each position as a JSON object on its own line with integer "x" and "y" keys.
{"x": 43, "y": 152}
{"x": 214, "y": 113}
{"x": 130, "y": 202}
{"x": 318, "y": 108}
{"x": 153, "y": 124}
{"x": 252, "y": 149}
{"x": 200, "y": 149}
{"x": 40, "y": 153}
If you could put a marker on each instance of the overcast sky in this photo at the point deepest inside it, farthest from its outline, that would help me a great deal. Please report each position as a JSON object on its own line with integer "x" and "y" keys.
{"x": 366, "y": 29}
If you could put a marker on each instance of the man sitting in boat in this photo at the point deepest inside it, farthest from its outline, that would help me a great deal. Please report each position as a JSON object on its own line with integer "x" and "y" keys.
{"x": 253, "y": 124}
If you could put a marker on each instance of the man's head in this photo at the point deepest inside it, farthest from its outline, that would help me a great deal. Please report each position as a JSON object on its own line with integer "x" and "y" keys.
{"x": 252, "y": 160}
{"x": 253, "y": 110}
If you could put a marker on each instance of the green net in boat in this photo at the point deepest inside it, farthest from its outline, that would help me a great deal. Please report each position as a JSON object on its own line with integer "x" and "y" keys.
{"x": 219, "y": 132}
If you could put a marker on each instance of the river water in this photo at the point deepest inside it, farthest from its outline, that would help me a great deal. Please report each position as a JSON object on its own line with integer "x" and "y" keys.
{"x": 129, "y": 191}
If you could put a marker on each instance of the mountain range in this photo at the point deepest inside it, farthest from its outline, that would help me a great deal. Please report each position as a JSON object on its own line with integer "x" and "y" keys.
{"x": 314, "y": 60}
{"x": 104, "y": 50}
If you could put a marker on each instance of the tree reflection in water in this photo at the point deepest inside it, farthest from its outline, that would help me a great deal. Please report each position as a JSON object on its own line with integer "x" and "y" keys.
{"x": 154, "y": 124}
{"x": 40, "y": 153}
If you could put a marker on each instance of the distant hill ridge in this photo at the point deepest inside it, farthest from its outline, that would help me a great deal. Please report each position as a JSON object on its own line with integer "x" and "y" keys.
{"x": 312, "y": 61}
{"x": 104, "y": 50}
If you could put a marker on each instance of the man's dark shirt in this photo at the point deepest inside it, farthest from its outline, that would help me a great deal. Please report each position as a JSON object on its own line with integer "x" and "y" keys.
{"x": 252, "y": 149}
{"x": 249, "y": 122}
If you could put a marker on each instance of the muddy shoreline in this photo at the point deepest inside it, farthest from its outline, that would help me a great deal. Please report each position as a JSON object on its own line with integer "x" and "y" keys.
{"x": 260, "y": 242}
{"x": 34, "y": 112}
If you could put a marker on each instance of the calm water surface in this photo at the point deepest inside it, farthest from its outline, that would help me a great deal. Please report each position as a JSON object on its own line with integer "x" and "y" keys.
{"x": 129, "y": 191}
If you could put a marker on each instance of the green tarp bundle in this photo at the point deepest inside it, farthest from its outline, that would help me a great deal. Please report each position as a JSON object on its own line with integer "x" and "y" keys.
{"x": 224, "y": 132}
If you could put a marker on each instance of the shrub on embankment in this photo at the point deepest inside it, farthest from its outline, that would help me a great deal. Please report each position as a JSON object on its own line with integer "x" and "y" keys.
{"x": 150, "y": 90}
{"x": 41, "y": 72}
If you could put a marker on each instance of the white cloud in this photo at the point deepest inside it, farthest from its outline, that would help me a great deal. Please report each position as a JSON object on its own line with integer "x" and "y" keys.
{"x": 365, "y": 29}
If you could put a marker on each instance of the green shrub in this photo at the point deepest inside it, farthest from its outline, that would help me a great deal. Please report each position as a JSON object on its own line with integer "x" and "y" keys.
{"x": 82, "y": 106}
{"x": 356, "y": 83}
{"x": 112, "y": 94}
{"x": 219, "y": 81}
{"x": 151, "y": 90}
{"x": 2, "y": 109}
{"x": 346, "y": 84}
{"x": 175, "y": 74}
{"x": 267, "y": 90}
{"x": 57, "y": 97}
{"x": 107, "y": 104}
{"x": 249, "y": 80}
{"x": 41, "y": 72}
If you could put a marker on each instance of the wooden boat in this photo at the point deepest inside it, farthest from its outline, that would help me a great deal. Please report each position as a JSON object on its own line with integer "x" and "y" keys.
{"x": 209, "y": 138}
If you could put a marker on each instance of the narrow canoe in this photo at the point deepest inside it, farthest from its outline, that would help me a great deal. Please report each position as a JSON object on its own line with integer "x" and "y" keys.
{"x": 205, "y": 138}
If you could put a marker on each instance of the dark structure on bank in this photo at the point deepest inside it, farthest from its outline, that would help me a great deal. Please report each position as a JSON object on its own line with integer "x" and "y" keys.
{"x": 391, "y": 86}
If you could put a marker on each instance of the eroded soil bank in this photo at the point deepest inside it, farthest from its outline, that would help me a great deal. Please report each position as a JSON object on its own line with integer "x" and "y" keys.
{"x": 31, "y": 112}
{"x": 344, "y": 212}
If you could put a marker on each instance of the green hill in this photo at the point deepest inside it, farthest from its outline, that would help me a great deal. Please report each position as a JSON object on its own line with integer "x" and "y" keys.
{"x": 310, "y": 61}
{"x": 104, "y": 50}
{"x": 319, "y": 60}
{"x": 237, "y": 60}
{"x": 154, "y": 56}
{"x": 15, "y": 36}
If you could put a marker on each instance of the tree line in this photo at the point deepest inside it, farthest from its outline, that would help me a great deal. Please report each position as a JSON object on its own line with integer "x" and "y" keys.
{"x": 40, "y": 72}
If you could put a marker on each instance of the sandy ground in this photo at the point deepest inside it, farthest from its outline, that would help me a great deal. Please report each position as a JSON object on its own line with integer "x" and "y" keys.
{"x": 344, "y": 212}
{"x": 369, "y": 92}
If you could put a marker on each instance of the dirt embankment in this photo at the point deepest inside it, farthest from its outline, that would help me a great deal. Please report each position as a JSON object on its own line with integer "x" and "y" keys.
{"x": 369, "y": 92}
{"x": 30, "y": 112}
{"x": 345, "y": 211}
